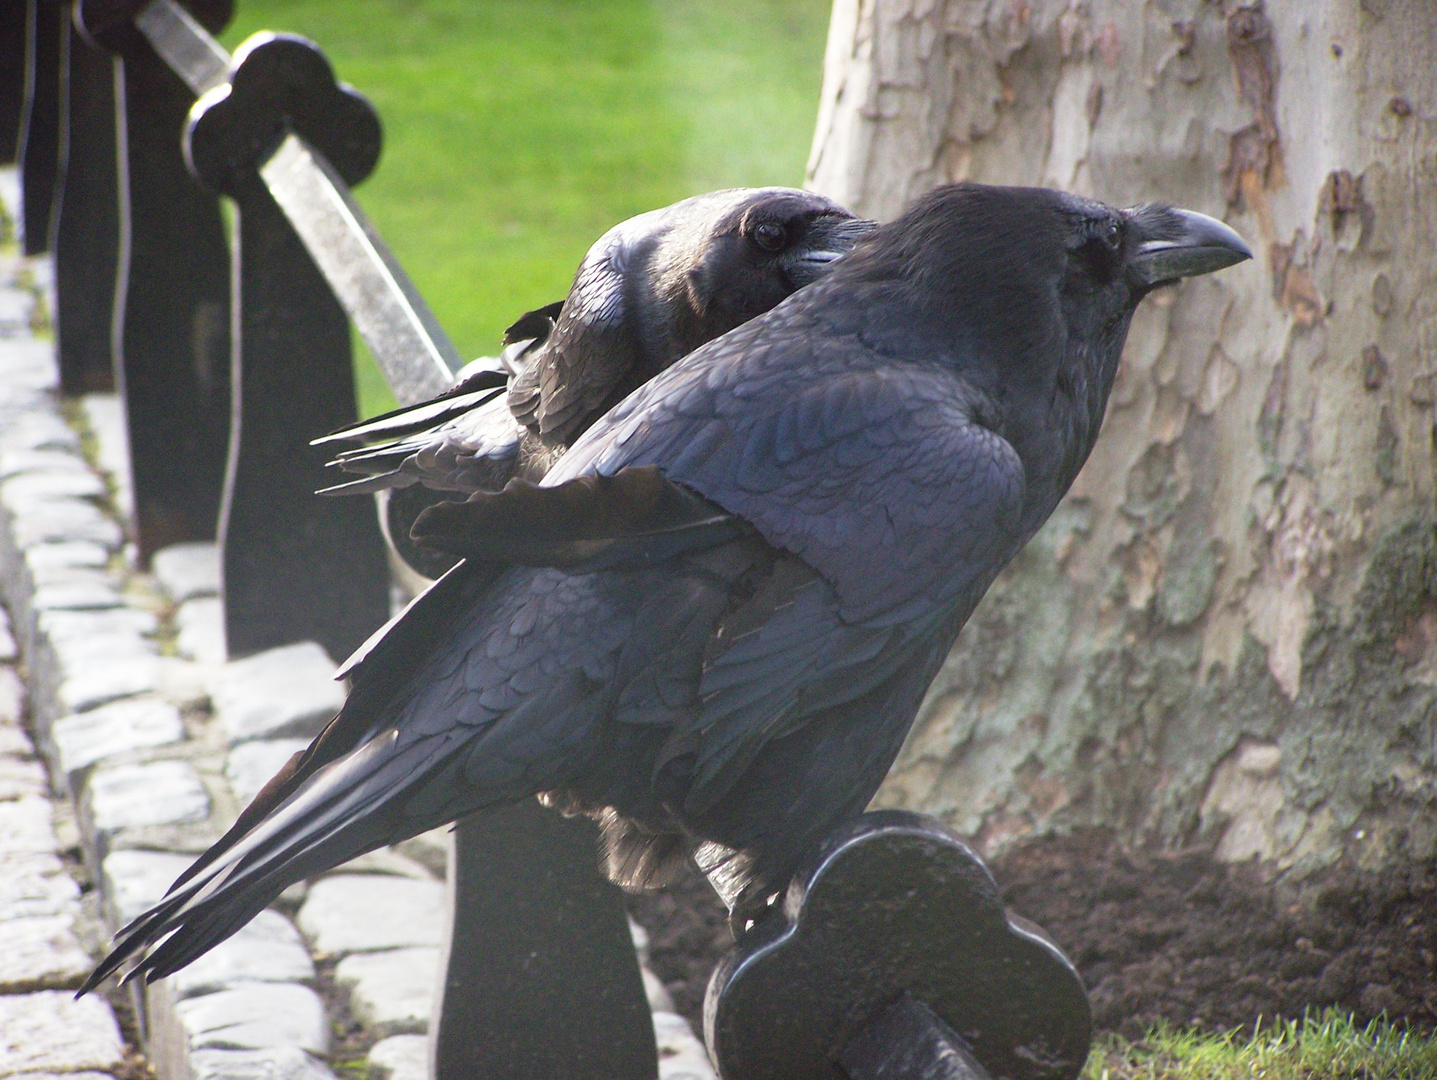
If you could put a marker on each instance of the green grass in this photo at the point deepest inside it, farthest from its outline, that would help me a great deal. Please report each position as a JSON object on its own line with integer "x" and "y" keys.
{"x": 1329, "y": 1047}
{"x": 517, "y": 131}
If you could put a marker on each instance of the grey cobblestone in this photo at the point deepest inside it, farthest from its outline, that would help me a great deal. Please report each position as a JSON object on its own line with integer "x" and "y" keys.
{"x": 347, "y": 913}
{"x": 121, "y": 727}
{"x": 133, "y": 796}
{"x": 50, "y": 1032}
{"x": 201, "y": 625}
{"x": 266, "y": 950}
{"x": 255, "y": 1017}
{"x": 133, "y": 881}
{"x": 275, "y": 1063}
{"x": 249, "y": 766}
{"x": 21, "y": 776}
{"x": 26, "y": 827}
{"x": 36, "y": 884}
{"x": 187, "y": 571}
{"x": 393, "y": 991}
{"x": 400, "y": 1057}
{"x": 282, "y": 692}
{"x": 41, "y": 953}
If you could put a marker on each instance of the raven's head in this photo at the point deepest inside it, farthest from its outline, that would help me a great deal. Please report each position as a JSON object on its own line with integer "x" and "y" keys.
{"x": 1030, "y": 292}
{"x": 732, "y": 255}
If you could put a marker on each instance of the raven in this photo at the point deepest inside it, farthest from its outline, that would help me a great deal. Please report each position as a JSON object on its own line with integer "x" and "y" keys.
{"x": 650, "y": 290}
{"x": 711, "y": 624}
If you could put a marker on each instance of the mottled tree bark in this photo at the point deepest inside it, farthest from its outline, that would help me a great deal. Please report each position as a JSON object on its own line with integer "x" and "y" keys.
{"x": 1228, "y": 631}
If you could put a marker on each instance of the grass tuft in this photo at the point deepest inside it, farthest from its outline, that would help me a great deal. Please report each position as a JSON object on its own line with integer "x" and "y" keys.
{"x": 1325, "y": 1047}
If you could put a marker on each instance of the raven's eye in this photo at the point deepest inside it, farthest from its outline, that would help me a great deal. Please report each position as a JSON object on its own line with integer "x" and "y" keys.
{"x": 1113, "y": 235}
{"x": 769, "y": 236}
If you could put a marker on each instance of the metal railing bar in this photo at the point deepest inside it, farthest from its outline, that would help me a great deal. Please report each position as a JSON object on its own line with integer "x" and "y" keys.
{"x": 185, "y": 45}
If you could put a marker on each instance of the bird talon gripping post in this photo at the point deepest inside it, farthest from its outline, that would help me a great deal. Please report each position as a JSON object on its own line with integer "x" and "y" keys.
{"x": 887, "y": 437}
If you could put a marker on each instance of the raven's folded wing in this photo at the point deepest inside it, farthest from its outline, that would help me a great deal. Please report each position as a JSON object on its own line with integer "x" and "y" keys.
{"x": 881, "y": 475}
{"x": 592, "y": 522}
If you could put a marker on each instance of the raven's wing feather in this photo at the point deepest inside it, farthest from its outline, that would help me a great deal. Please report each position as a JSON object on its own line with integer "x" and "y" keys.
{"x": 588, "y": 361}
{"x": 590, "y": 523}
{"x": 476, "y": 448}
{"x": 878, "y": 474}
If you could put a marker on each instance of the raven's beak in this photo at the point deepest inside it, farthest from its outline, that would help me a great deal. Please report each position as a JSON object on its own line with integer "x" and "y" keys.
{"x": 1182, "y": 243}
{"x": 829, "y": 239}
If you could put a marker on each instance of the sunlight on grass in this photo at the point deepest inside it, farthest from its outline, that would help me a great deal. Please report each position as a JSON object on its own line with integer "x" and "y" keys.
{"x": 1328, "y": 1047}
{"x": 517, "y": 131}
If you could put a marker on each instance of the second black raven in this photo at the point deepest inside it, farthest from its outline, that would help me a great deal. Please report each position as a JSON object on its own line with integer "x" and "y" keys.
{"x": 712, "y": 623}
{"x": 650, "y": 290}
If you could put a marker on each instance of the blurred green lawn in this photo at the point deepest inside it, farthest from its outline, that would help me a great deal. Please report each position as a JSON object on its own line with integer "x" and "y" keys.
{"x": 517, "y": 131}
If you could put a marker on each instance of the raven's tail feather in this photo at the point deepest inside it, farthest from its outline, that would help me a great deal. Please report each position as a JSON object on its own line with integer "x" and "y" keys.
{"x": 349, "y": 806}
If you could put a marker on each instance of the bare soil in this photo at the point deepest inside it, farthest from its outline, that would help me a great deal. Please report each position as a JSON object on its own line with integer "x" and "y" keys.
{"x": 1176, "y": 936}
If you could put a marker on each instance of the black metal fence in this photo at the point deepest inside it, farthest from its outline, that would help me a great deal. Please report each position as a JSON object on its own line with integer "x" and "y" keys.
{"x": 129, "y": 123}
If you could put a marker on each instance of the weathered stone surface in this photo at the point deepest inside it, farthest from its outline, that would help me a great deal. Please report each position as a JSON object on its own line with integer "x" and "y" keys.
{"x": 256, "y": 1016}
{"x": 250, "y": 765}
{"x": 41, "y": 952}
{"x": 65, "y": 554}
{"x": 133, "y": 796}
{"x": 26, "y": 827}
{"x": 122, "y": 726}
{"x": 106, "y": 417}
{"x": 201, "y": 624}
{"x": 134, "y": 881}
{"x": 50, "y": 1032}
{"x": 60, "y": 574}
{"x": 91, "y": 593}
{"x": 46, "y": 521}
{"x": 39, "y": 430}
{"x": 268, "y": 949}
{"x": 184, "y": 683}
{"x": 274, "y": 1063}
{"x": 19, "y": 462}
{"x": 660, "y": 1000}
{"x": 186, "y": 571}
{"x": 393, "y": 991}
{"x": 12, "y": 696}
{"x": 87, "y": 626}
{"x": 400, "y": 1057}
{"x": 366, "y": 912}
{"x": 681, "y": 1055}
{"x": 16, "y": 308}
{"x": 108, "y": 677}
{"x": 287, "y": 691}
{"x": 63, "y": 483}
{"x": 387, "y": 861}
{"x": 35, "y": 884}
{"x": 21, "y": 777}
{"x": 13, "y": 740}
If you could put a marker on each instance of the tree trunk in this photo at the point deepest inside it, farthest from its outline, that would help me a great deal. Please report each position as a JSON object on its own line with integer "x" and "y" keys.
{"x": 1227, "y": 633}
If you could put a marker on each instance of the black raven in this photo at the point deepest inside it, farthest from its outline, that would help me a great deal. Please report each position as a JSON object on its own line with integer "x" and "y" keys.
{"x": 650, "y": 290}
{"x": 711, "y": 624}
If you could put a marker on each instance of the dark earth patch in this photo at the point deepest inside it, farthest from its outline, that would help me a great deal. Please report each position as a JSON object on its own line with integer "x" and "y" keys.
{"x": 1176, "y": 936}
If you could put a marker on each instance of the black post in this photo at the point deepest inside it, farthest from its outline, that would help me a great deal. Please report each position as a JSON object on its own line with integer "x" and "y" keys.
{"x": 12, "y": 77}
{"x": 84, "y": 226}
{"x": 540, "y": 981}
{"x": 891, "y": 957}
{"x": 170, "y": 334}
{"x": 38, "y": 146}
{"x": 296, "y": 566}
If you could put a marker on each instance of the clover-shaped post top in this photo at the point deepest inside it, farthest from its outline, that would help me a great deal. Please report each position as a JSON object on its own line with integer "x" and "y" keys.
{"x": 894, "y": 909}
{"x": 279, "y": 84}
